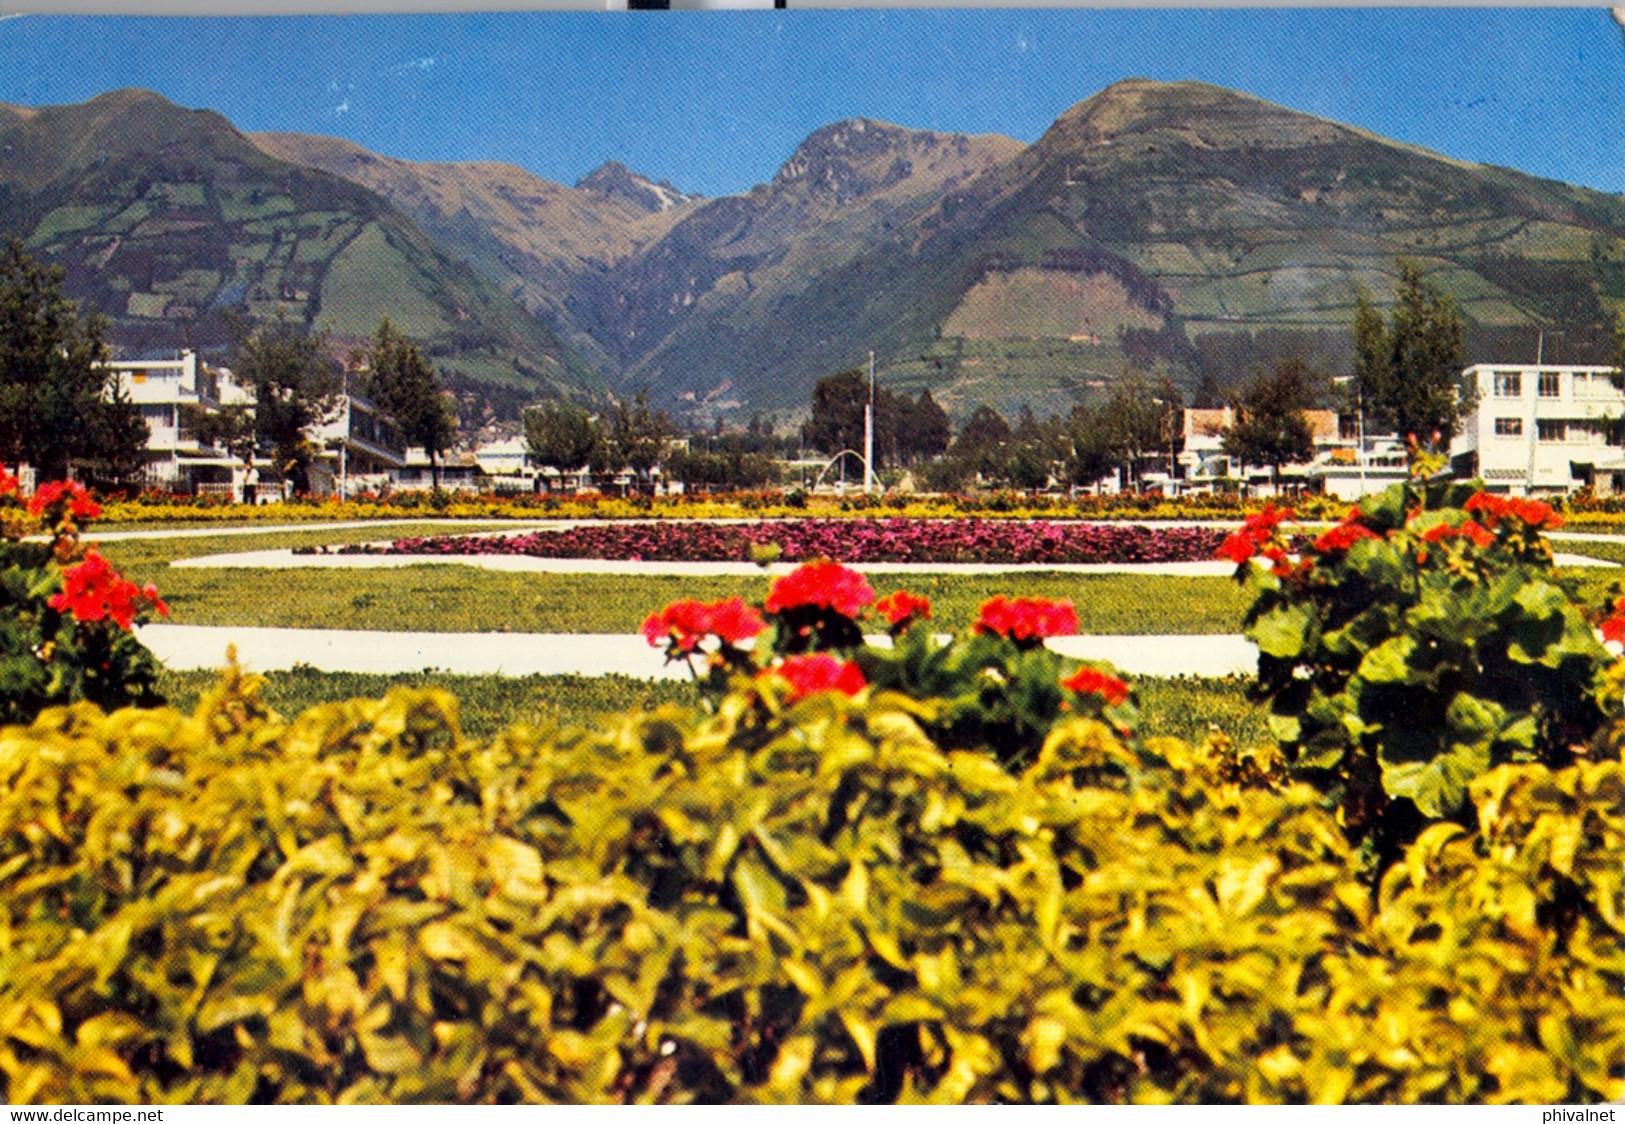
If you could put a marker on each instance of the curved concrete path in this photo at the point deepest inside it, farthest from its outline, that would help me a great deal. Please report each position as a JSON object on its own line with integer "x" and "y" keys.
{"x": 189, "y": 647}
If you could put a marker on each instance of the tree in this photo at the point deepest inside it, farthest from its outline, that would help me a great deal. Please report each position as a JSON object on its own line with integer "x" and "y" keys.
{"x": 983, "y": 445}
{"x": 59, "y": 406}
{"x": 405, "y": 387}
{"x": 635, "y": 437}
{"x": 1408, "y": 369}
{"x": 1084, "y": 448}
{"x": 1129, "y": 426}
{"x": 925, "y": 431}
{"x": 561, "y": 436}
{"x": 293, "y": 385}
{"x": 1271, "y": 428}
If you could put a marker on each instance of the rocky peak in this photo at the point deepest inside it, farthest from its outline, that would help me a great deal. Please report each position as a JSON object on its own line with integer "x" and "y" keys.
{"x": 618, "y": 181}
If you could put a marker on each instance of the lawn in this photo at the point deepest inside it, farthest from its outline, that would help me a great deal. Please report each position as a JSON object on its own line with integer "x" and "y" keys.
{"x": 1183, "y": 707}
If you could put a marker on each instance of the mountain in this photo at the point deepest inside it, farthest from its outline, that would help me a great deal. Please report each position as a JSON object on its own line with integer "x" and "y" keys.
{"x": 532, "y": 236}
{"x": 734, "y": 303}
{"x": 169, "y": 219}
{"x": 1171, "y": 225}
{"x": 1177, "y": 228}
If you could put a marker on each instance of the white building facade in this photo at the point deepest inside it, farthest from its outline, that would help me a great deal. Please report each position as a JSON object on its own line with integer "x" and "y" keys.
{"x": 166, "y": 391}
{"x": 1532, "y": 428}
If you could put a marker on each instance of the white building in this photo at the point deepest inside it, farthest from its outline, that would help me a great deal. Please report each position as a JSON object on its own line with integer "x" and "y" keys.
{"x": 1541, "y": 428}
{"x": 360, "y": 449}
{"x": 166, "y": 392}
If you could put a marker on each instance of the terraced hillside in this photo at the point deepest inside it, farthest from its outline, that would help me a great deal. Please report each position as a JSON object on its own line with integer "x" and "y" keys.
{"x": 167, "y": 219}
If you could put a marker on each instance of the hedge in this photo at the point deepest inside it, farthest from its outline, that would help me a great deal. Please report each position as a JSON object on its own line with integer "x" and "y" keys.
{"x": 771, "y": 904}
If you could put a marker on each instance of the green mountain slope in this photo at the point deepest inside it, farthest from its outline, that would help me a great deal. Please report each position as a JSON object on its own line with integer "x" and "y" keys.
{"x": 532, "y": 236}
{"x": 1174, "y": 225}
{"x": 168, "y": 219}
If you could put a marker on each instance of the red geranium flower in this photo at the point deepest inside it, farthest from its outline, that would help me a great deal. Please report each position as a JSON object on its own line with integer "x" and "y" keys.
{"x": 1468, "y": 530}
{"x": 685, "y": 623}
{"x": 808, "y": 675}
{"x": 79, "y": 502}
{"x": 1087, "y": 680}
{"x": 902, "y": 607}
{"x": 1343, "y": 536}
{"x": 1536, "y": 513}
{"x": 8, "y": 482}
{"x": 1238, "y": 548}
{"x": 1027, "y": 618}
{"x": 825, "y": 585}
{"x": 1255, "y": 532}
{"x": 94, "y": 591}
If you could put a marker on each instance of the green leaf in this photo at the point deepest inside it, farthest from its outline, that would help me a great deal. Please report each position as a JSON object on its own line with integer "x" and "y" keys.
{"x": 1439, "y": 786}
{"x": 1389, "y": 662}
{"x": 1285, "y": 631}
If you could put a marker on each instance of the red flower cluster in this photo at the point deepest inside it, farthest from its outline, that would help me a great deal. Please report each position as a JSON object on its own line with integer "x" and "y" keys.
{"x": 8, "y": 482}
{"x": 1345, "y": 534}
{"x": 94, "y": 591}
{"x": 1468, "y": 530}
{"x": 808, "y": 675}
{"x": 80, "y": 505}
{"x": 902, "y": 607}
{"x": 1027, "y": 618}
{"x": 1613, "y": 628}
{"x": 1255, "y": 532}
{"x": 824, "y": 585}
{"x": 1535, "y": 513}
{"x": 685, "y": 623}
{"x": 1088, "y": 681}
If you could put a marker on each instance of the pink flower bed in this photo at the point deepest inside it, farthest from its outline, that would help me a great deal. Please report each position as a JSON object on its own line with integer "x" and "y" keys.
{"x": 846, "y": 540}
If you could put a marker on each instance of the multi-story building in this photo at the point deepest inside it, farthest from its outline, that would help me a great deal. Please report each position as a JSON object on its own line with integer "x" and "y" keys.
{"x": 1541, "y": 428}
{"x": 168, "y": 392}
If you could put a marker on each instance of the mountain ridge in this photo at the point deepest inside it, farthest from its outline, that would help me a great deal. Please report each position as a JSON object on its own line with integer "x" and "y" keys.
{"x": 1180, "y": 227}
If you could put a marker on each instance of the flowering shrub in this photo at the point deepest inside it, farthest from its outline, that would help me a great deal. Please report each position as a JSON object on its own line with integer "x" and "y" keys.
{"x": 812, "y": 674}
{"x": 65, "y": 613}
{"x": 901, "y": 609}
{"x": 823, "y": 905}
{"x": 997, "y": 688}
{"x": 1028, "y": 621}
{"x": 817, "y": 605}
{"x": 158, "y": 508}
{"x": 1415, "y": 646}
{"x": 852, "y": 540}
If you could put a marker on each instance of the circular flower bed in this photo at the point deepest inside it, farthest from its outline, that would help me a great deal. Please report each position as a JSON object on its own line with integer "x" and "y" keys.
{"x": 878, "y": 540}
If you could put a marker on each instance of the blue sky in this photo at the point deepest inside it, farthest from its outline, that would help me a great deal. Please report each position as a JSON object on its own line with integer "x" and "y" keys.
{"x": 715, "y": 101}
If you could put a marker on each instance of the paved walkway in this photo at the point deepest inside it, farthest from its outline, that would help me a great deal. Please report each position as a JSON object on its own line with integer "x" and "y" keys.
{"x": 524, "y": 563}
{"x": 189, "y": 647}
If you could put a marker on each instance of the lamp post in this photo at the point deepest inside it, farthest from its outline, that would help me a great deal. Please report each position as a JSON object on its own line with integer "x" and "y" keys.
{"x": 869, "y": 432}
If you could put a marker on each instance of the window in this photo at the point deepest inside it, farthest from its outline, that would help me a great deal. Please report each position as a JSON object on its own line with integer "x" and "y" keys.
{"x": 1508, "y": 384}
{"x": 1551, "y": 384}
{"x": 1509, "y": 427}
{"x": 1547, "y": 430}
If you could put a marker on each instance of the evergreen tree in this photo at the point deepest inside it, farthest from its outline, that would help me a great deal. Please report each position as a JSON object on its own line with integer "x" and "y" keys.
{"x": 59, "y": 405}
{"x": 405, "y": 387}
{"x": 1409, "y": 368}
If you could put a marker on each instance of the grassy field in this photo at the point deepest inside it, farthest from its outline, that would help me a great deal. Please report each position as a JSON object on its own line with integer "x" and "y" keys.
{"x": 454, "y": 598}
{"x": 451, "y": 598}
{"x": 1183, "y": 708}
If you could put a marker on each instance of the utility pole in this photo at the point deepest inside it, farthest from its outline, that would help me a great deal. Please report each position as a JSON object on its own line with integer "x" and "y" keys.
{"x": 869, "y": 432}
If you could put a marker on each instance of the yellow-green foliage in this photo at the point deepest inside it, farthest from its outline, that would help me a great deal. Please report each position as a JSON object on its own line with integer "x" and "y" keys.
{"x": 157, "y": 508}
{"x": 812, "y": 905}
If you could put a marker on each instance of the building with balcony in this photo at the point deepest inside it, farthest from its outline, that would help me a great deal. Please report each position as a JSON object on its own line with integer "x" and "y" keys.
{"x": 1532, "y": 428}
{"x": 361, "y": 450}
{"x": 169, "y": 393}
